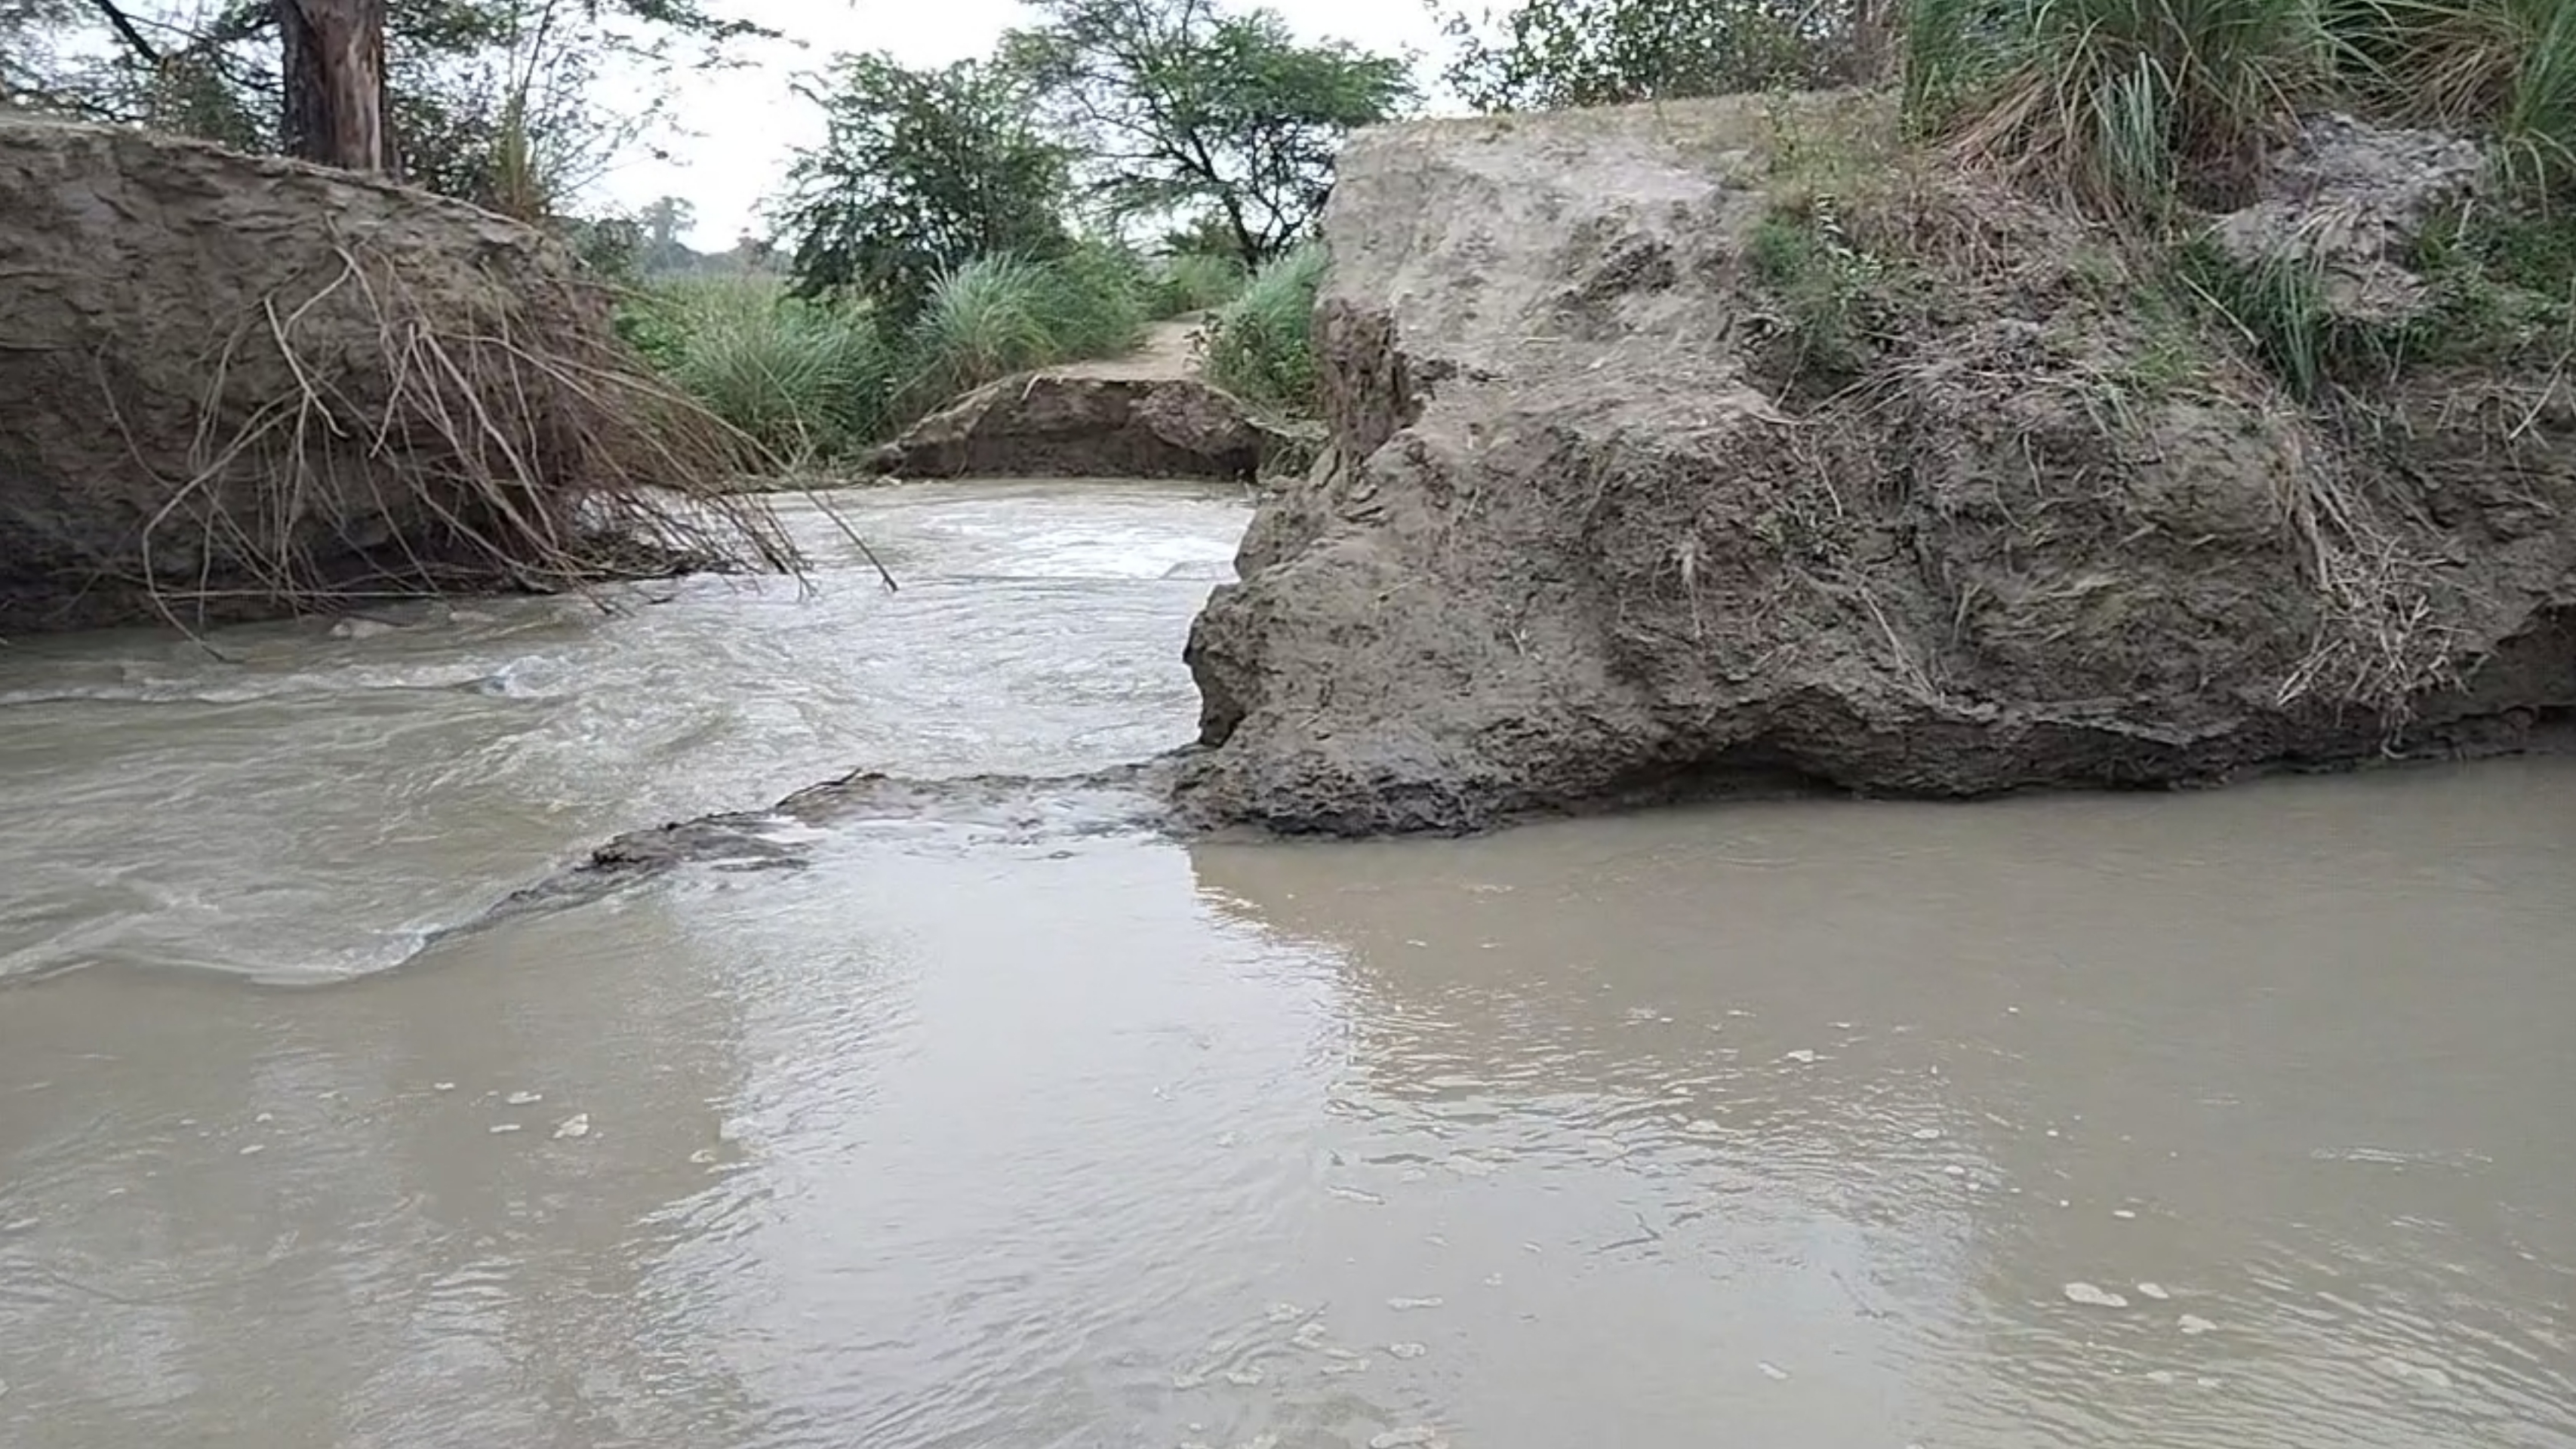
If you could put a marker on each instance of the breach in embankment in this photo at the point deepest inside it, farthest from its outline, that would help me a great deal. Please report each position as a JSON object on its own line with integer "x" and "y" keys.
{"x": 235, "y": 387}
{"x": 1726, "y": 441}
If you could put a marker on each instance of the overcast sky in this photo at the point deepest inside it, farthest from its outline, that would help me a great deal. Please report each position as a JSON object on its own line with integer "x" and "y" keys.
{"x": 748, "y": 121}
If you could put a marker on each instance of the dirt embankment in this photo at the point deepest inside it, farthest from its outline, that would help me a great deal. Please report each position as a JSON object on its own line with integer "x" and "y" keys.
{"x": 233, "y": 387}
{"x": 1146, "y": 414}
{"x": 1609, "y": 510}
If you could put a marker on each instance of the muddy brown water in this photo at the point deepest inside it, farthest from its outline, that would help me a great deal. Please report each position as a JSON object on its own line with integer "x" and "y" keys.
{"x": 2229, "y": 1121}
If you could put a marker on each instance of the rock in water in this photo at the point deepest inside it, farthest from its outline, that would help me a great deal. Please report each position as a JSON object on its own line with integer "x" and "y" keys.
{"x": 1610, "y": 511}
{"x": 235, "y": 386}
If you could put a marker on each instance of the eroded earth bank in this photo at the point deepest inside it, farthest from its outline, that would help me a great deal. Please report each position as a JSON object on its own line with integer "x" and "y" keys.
{"x": 1705, "y": 443}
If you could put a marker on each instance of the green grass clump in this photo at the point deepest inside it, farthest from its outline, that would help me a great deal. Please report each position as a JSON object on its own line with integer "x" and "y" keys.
{"x": 1197, "y": 282}
{"x": 999, "y": 315}
{"x": 984, "y": 320}
{"x": 2502, "y": 68}
{"x": 1094, "y": 301}
{"x": 803, "y": 379}
{"x": 2126, "y": 104}
{"x": 2149, "y": 112}
{"x": 2281, "y": 311}
{"x": 1260, "y": 346}
{"x": 1830, "y": 290}
{"x": 2119, "y": 104}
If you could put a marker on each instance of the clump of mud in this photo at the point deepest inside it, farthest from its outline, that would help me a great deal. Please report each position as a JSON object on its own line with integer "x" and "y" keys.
{"x": 1703, "y": 446}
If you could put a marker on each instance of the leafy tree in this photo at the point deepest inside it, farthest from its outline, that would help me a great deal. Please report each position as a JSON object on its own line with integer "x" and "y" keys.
{"x": 1552, "y": 54}
{"x": 658, "y": 227}
{"x": 665, "y": 218}
{"x": 1183, "y": 111}
{"x": 491, "y": 100}
{"x": 919, "y": 173}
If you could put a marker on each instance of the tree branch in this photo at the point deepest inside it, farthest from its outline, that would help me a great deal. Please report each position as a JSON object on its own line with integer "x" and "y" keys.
{"x": 125, "y": 28}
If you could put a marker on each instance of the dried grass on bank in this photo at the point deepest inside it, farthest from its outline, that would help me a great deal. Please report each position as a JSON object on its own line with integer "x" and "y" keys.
{"x": 2127, "y": 106}
{"x": 1912, "y": 267}
{"x": 490, "y": 439}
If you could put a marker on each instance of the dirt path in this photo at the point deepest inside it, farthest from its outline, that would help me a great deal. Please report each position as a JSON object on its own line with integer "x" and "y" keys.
{"x": 1165, "y": 353}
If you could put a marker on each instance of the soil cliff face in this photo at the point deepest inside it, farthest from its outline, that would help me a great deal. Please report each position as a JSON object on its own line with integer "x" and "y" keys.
{"x": 233, "y": 386}
{"x": 1600, "y": 519}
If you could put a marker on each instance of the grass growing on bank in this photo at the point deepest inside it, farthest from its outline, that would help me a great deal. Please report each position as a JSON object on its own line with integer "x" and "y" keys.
{"x": 803, "y": 379}
{"x": 2151, "y": 117}
{"x": 2129, "y": 105}
{"x": 815, "y": 380}
{"x": 1260, "y": 346}
{"x": 1197, "y": 282}
{"x": 2099, "y": 288}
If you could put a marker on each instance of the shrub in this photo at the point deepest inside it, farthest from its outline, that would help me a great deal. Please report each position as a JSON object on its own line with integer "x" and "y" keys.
{"x": 1260, "y": 346}
{"x": 1828, "y": 287}
{"x": 802, "y": 378}
{"x": 1000, "y": 315}
{"x": 1197, "y": 282}
{"x": 1094, "y": 301}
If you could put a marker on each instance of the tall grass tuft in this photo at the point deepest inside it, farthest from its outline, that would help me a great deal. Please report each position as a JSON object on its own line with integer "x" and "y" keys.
{"x": 805, "y": 379}
{"x": 2119, "y": 104}
{"x": 983, "y": 320}
{"x": 1260, "y": 346}
{"x": 1094, "y": 300}
{"x": 1197, "y": 282}
{"x": 2503, "y": 67}
{"x": 1001, "y": 315}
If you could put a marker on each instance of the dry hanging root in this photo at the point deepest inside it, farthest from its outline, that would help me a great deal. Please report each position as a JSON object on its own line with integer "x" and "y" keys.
{"x": 2380, "y": 642}
{"x": 487, "y": 434}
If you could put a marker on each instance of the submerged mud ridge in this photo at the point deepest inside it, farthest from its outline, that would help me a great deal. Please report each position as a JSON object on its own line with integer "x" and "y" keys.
{"x": 1610, "y": 509}
{"x": 1118, "y": 800}
{"x": 1147, "y": 796}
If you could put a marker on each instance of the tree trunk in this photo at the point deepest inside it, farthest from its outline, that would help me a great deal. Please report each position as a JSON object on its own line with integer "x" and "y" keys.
{"x": 334, "y": 67}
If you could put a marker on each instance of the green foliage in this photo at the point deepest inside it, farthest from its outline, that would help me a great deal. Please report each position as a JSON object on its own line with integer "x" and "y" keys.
{"x": 608, "y": 248}
{"x": 920, "y": 172}
{"x": 2504, "y": 67}
{"x": 1094, "y": 300}
{"x": 818, "y": 378}
{"x": 2531, "y": 253}
{"x": 1197, "y": 281}
{"x": 494, "y": 101}
{"x": 2117, "y": 103}
{"x": 1830, "y": 290}
{"x": 1260, "y": 346}
{"x": 1179, "y": 108}
{"x": 983, "y": 321}
{"x": 805, "y": 379}
{"x": 2129, "y": 105}
{"x": 999, "y": 315}
{"x": 2283, "y": 312}
{"x": 2499, "y": 293}
{"x": 1553, "y": 54}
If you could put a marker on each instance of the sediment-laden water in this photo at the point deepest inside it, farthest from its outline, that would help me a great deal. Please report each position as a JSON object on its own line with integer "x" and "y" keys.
{"x": 2228, "y": 1121}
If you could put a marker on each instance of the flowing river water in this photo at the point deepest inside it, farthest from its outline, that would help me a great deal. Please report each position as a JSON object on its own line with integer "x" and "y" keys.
{"x": 2228, "y": 1120}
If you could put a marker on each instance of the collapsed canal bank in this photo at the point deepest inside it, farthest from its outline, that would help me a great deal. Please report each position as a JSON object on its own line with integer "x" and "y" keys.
{"x": 1664, "y": 460}
{"x": 238, "y": 387}
{"x": 1688, "y": 446}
